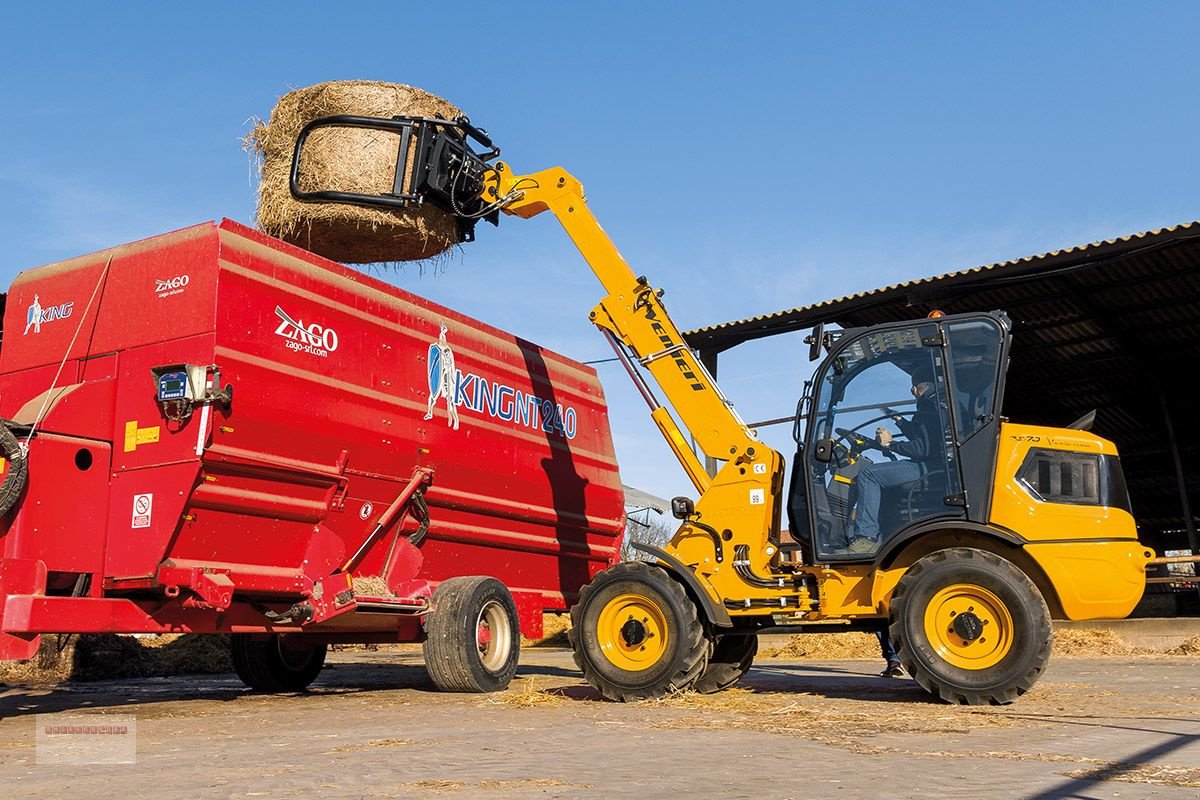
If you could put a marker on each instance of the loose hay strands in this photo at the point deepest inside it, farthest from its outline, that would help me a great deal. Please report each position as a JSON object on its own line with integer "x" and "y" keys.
{"x": 531, "y": 695}
{"x": 348, "y": 160}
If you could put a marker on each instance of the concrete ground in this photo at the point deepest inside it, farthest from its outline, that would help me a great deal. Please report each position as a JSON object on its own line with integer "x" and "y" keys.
{"x": 373, "y": 727}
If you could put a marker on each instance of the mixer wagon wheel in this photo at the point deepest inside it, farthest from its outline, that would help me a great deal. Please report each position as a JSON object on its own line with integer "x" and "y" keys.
{"x": 273, "y": 664}
{"x": 17, "y": 473}
{"x": 970, "y": 627}
{"x": 636, "y": 633}
{"x": 472, "y": 636}
{"x": 731, "y": 658}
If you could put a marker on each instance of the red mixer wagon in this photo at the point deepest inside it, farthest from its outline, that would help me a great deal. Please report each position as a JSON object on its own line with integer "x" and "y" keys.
{"x": 212, "y": 431}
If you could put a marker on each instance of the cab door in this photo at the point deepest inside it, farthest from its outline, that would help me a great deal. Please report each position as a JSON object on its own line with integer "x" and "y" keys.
{"x": 860, "y": 495}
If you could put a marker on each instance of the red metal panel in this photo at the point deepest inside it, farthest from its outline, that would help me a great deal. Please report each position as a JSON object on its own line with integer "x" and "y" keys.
{"x": 334, "y": 374}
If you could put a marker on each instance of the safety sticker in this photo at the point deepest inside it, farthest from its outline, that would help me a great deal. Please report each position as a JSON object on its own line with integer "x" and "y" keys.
{"x": 143, "y": 510}
{"x": 135, "y": 435}
{"x": 760, "y": 469}
{"x": 757, "y": 497}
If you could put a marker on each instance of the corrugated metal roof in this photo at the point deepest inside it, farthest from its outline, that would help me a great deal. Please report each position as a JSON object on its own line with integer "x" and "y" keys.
{"x": 1112, "y": 326}
{"x": 636, "y": 498}
{"x": 729, "y": 334}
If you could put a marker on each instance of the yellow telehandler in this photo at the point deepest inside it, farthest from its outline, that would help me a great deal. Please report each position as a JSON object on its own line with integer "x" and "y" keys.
{"x": 913, "y": 505}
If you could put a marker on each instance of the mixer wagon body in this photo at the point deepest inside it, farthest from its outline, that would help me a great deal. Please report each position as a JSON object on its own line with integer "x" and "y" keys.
{"x": 218, "y": 422}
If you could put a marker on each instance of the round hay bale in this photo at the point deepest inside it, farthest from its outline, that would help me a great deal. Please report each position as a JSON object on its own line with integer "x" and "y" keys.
{"x": 347, "y": 160}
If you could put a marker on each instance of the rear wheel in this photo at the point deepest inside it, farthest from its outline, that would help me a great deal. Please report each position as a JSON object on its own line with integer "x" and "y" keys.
{"x": 970, "y": 627}
{"x": 731, "y": 658}
{"x": 275, "y": 663}
{"x": 636, "y": 634}
{"x": 473, "y": 638}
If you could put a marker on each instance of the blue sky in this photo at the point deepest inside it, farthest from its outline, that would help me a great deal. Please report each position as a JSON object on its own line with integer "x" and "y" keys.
{"x": 746, "y": 158}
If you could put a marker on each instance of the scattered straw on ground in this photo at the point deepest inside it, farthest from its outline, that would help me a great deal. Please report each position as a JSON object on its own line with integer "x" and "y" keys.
{"x": 1141, "y": 773}
{"x": 371, "y": 745}
{"x": 457, "y": 786}
{"x": 530, "y": 695}
{"x": 348, "y": 160}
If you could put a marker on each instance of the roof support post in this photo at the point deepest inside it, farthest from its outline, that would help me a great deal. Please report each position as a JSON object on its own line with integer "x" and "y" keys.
{"x": 1181, "y": 479}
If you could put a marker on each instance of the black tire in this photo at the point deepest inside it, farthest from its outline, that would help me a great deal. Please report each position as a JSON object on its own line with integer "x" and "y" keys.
{"x": 273, "y": 664}
{"x": 473, "y": 637}
{"x": 636, "y": 634}
{"x": 17, "y": 474}
{"x": 731, "y": 658}
{"x": 957, "y": 594}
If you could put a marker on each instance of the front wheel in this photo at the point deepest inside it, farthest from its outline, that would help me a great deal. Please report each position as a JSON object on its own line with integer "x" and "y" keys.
{"x": 636, "y": 634}
{"x": 970, "y": 627}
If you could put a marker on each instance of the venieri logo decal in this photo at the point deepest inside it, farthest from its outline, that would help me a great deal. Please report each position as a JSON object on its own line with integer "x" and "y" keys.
{"x": 314, "y": 339}
{"x": 38, "y": 314}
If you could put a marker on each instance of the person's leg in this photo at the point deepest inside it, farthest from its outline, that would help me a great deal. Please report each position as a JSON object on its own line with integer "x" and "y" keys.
{"x": 872, "y": 480}
{"x": 890, "y": 656}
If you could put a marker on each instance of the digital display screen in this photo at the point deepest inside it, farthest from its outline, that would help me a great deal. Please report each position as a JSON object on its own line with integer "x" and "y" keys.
{"x": 172, "y": 386}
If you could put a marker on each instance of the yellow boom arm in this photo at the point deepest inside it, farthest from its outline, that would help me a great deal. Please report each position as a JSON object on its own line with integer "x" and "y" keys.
{"x": 741, "y": 504}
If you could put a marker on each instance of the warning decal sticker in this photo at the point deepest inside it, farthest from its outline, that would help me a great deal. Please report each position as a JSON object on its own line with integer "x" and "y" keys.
{"x": 143, "y": 510}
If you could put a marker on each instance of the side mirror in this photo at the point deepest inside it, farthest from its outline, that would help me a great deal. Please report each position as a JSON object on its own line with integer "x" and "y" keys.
{"x": 823, "y": 450}
{"x": 814, "y": 341}
{"x": 682, "y": 508}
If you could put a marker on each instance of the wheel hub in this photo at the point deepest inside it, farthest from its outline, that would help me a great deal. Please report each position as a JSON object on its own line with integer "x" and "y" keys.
{"x": 967, "y": 626}
{"x": 633, "y": 632}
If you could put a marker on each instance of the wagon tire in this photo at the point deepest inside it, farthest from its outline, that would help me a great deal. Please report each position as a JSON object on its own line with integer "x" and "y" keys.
{"x": 271, "y": 664}
{"x": 636, "y": 634}
{"x": 17, "y": 474}
{"x": 970, "y": 627}
{"x": 731, "y": 658}
{"x": 472, "y": 635}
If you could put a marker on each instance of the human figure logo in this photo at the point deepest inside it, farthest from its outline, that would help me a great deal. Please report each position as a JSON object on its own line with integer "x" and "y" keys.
{"x": 38, "y": 314}
{"x": 442, "y": 378}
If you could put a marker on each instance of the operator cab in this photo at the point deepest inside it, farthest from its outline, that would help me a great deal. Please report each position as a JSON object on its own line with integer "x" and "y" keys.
{"x": 935, "y": 386}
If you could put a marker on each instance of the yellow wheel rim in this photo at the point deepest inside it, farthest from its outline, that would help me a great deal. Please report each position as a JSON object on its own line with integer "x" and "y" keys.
{"x": 632, "y": 632}
{"x": 968, "y": 626}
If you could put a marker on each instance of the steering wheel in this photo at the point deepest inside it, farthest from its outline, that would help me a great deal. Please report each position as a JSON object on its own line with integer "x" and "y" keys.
{"x": 857, "y": 444}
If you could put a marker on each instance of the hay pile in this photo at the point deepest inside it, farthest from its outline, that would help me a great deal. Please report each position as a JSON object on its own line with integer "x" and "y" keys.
{"x": 826, "y": 646}
{"x": 1092, "y": 642}
{"x": 102, "y": 656}
{"x": 347, "y": 160}
{"x": 554, "y": 632}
